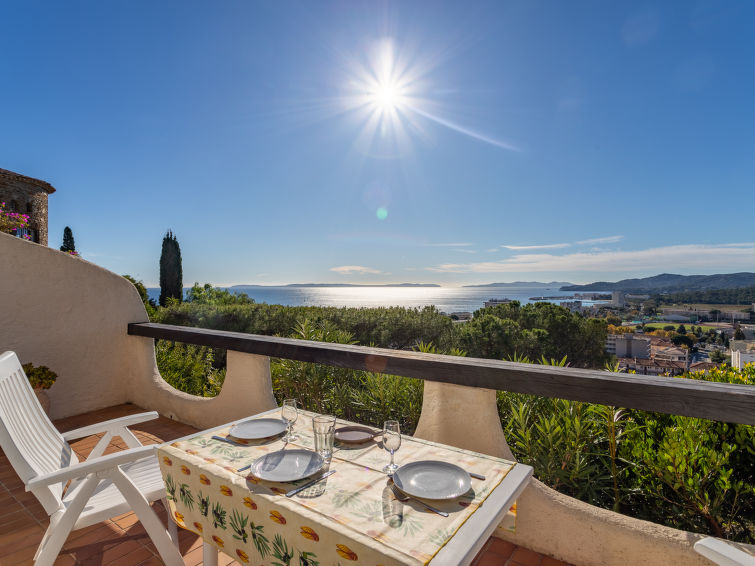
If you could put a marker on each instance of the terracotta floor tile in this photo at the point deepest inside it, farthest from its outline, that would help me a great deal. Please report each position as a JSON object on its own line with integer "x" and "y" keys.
{"x": 137, "y": 556}
{"x": 154, "y": 561}
{"x": 548, "y": 561}
{"x": 502, "y": 547}
{"x": 524, "y": 557}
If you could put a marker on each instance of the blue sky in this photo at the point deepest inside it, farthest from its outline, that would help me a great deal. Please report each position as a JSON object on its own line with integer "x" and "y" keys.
{"x": 357, "y": 142}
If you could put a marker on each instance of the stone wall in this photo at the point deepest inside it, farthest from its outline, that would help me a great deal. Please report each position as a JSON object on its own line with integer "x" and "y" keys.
{"x": 25, "y": 194}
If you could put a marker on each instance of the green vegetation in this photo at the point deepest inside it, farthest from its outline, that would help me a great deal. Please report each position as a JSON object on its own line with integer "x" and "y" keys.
{"x": 40, "y": 377}
{"x": 738, "y": 296}
{"x": 171, "y": 271}
{"x": 535, "y": 330}
{"x": 687, "y": 473}
{"x": 667, "y": 326}
{"x": 68, "y": 243}
{"x": 189, "y": 368}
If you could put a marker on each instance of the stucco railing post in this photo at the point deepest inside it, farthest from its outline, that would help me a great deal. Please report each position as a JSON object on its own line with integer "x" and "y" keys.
{"x": 247, "y": 384}
{"x": 462, "y": 416}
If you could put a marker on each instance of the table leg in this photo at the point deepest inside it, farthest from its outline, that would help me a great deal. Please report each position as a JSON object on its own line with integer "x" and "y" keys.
{"x": 209, "y": 554}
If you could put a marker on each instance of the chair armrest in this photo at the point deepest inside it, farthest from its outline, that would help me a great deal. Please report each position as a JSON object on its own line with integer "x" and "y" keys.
{"x": 100, "y": 464}
{"x": 112, "y": 426}
{"x": 722, "y": 553}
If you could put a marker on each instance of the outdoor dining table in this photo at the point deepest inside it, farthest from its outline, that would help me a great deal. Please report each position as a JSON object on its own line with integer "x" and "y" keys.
{"x": 351, "y": 517}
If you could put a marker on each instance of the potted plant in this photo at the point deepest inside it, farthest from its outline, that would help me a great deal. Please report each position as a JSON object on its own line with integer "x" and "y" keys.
{"x": 40, "y": 378}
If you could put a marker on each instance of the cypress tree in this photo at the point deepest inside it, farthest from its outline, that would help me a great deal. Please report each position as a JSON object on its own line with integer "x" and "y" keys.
{"x": 68, "y": 244}
{"x": 171, "y": 272}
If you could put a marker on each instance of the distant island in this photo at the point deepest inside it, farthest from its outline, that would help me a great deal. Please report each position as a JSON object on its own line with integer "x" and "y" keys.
{"x": 538, "y": 284}
{"x": 341, "y": 285}
{"x": 670, "y": 283}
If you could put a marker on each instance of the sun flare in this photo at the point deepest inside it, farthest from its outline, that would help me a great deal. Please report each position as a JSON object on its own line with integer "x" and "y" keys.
{"x": 387, "y": 96}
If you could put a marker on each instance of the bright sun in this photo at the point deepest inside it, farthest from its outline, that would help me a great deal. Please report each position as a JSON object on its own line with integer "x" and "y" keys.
{"x": 387, "y": 96}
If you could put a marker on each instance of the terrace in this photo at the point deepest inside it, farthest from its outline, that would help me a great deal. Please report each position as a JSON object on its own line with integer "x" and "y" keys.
{"x": 91, "y": 327}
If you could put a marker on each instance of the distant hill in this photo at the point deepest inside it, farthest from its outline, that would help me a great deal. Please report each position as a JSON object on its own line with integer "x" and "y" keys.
{"x": 550, "y": 285}
{"x": 670, "y": 283}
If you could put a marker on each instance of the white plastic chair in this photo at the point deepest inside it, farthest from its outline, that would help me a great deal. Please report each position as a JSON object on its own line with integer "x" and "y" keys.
{"x": 101, "y": 487}
{"x": 722, "y": 553}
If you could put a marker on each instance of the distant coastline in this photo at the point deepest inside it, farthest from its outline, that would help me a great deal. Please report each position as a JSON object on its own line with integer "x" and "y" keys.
{"x": 344, "y": 285}
{"x": 519, "y": 284}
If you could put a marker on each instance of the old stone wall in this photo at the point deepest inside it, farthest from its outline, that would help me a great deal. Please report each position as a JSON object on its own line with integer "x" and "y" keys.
{"x": 27, "y": 199}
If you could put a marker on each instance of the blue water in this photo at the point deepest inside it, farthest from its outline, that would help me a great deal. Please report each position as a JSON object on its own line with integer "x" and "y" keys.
{"x": 446, "y": 299}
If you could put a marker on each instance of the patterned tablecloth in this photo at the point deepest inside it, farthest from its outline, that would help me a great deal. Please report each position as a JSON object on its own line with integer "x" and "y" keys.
{"x": 352, "y": 516}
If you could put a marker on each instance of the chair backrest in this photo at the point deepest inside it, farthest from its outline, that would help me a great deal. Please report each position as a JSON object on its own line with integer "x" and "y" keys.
{"x": 28, "y": 438}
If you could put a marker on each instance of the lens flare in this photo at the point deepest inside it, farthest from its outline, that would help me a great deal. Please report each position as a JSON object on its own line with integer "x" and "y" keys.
{"x": 381, "y": 213}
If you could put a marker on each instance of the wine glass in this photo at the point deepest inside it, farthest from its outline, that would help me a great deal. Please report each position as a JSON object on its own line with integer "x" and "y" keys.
{"x": 290, "y": 414}
{"x": 391, "y": 442}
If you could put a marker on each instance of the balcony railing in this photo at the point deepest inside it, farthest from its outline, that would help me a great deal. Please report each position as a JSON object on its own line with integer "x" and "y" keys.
{"x": 687, "y": 397}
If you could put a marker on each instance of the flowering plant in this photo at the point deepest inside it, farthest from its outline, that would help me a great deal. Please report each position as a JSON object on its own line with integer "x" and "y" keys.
{"x": 12, "y": 221}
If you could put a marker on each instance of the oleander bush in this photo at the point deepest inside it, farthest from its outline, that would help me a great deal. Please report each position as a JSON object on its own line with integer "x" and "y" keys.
{"x": 692, "y": 474}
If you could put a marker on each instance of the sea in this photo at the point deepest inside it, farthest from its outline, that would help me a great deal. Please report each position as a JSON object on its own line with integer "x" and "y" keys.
{"x": 445, "y": 299}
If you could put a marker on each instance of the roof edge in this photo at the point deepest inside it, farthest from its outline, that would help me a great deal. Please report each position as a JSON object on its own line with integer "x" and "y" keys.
{"x": 5, "y": 173}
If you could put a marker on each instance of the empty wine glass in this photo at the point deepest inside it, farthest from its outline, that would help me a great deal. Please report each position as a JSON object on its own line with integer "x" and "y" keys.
{"x": 290, "y": 414}
{"x": 391, "y": 442}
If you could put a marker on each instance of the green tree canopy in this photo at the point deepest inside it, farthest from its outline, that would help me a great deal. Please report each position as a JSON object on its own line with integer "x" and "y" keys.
{"x": 68, "y": 244}
{"x": 171, "y": 271}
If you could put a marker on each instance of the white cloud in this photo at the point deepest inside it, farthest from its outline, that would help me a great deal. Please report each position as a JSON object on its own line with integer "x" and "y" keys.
{"x": 724, "y": 257}
{"x": 349, "y": 269}
{"x": 540, "y": 247}
{"x": 606, "y": 240}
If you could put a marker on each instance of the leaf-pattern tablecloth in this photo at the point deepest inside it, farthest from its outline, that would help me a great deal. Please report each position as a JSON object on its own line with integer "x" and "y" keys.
{"x": 350, "y": 517}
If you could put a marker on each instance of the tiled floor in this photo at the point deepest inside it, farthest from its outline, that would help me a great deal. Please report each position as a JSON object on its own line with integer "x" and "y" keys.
{"x": 122, "y": 540}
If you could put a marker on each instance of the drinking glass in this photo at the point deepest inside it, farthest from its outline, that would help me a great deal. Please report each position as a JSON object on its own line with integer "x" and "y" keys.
{"x": 391, "y": 442}
{"x": 324, "y": 427}
{"x": 290, "y": 414}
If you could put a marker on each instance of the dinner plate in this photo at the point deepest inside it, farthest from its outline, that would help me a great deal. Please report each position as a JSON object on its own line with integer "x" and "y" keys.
{"x": 355, "y": 434}
{"x": 258, "y": 428}
{"x": 287, "y": 465}
{"x": 429, "y": 479}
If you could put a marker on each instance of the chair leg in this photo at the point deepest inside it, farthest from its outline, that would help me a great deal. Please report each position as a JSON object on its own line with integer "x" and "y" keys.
{"x": 209, "y": 554}
{"x": 62, "y": 523}
{"x": 172, "y": 528}
{"x": 150, "y": 521}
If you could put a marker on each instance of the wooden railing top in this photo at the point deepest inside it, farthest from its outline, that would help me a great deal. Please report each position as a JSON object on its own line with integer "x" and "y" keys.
{"x": 688, "y": 397}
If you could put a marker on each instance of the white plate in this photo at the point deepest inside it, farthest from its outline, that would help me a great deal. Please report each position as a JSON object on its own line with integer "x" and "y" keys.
{"x": 287, "y": 465}
{"x": 429, "y": 479}
{"x": 258, "y": 428}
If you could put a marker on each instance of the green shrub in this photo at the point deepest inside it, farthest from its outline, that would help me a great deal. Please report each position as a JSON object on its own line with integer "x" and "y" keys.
{"x": 40, "y": 377}
{"x": 189, "y": 368}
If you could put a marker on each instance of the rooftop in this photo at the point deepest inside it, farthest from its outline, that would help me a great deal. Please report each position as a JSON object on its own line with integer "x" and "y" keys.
{"x": 11, "y": 176}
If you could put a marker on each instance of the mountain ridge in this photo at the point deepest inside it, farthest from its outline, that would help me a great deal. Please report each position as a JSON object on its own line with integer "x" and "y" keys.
{"x": 670, "y": 283}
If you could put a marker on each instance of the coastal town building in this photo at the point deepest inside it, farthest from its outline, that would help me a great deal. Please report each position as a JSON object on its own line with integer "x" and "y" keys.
{"x": 27, "y": 195}
{"x": 628, "y": 346}
{"x": 618, "y": 299}
{"x": 573, "y": 306}
{"x": 742, "y": 352}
